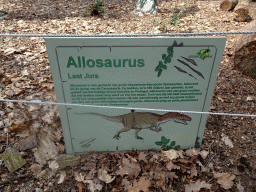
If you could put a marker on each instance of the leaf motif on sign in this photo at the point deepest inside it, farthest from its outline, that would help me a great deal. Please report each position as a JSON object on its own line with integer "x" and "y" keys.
{"x": 203, "y": 53}
{"x": 166, "y": 58}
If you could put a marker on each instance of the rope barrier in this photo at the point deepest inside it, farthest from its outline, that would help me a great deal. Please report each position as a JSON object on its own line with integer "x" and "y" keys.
{"x": 128, "y": 108}
{"x": 127, "y": 35}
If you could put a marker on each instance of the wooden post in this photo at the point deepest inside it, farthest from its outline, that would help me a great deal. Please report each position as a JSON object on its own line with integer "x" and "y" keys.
{"x": 227, "y": 5}
{"x": 245, "y": 51}
{"x": 241, "y": 13}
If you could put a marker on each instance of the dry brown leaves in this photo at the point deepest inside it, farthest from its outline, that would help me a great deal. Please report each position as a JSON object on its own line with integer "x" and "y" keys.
{"x": 197, "y": 186}
{"x": 62, "y": 177}
{"x": 141, "y": 185}
{"x": 129, "y": 167}
{"x": 225, "y": 179}
{"x": 104, "y": 176}
{"x": 148, "y": 165}
{"x": 36, "y": 170}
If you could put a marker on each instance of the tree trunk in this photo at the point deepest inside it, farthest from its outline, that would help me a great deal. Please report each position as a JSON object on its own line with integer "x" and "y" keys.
{"x": 245, "y": 51}
{"x": 146, "y": 6}
{"x": 252, "y": 11}
{"x": 241, "y": 13}
{"x": 227, "y": 5}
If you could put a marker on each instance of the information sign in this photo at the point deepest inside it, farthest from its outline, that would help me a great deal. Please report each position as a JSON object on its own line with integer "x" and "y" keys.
{"x": 156, "y": 73}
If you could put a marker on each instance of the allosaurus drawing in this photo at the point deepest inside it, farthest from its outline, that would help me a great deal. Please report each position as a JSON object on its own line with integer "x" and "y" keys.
{"x": 142, "y": 120}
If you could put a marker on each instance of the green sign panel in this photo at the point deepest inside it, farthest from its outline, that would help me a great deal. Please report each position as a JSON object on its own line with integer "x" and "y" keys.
{"x": 134, "y": 73}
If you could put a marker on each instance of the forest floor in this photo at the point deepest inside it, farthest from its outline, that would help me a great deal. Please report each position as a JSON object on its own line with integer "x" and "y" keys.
{"x": 227, "y": 160}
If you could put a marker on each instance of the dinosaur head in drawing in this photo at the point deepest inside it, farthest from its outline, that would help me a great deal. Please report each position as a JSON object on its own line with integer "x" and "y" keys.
{"x": 175, "y": 117}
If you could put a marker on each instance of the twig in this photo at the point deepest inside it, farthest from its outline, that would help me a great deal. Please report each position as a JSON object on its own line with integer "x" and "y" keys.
{"x": 7, "y": 131}
{"x": 212, "y": 158}
{"x": 15, "y": 178}
{"x": 209, "y": 149}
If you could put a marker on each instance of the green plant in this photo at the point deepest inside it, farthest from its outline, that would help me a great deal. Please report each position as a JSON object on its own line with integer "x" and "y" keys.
{"x": 163, "y": 27}
{"x": 176, "y": 17}
{"x": 95, "y": 8}
{"x": 154, "y": 21}
{"x": 164, "y": 143}
{"x": 173, "y": 20}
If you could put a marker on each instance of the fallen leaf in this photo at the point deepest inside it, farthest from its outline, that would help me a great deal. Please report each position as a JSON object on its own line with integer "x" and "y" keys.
{"x": 27, "y": 143}
{"x": 4, "y": 177}
{"x": 250, "y": 98}
{"x": 80, "y": 187}
{"x": 19, "y": 127}
{"x": 125, "y": 183}
{"x": 3, "y": 137}
{"x": 203, "y": 168}
{"x": 170, "y": 166}
{"x": 170, "y": 175}
{"x": 93, "y": 185}
{"x": 17, "y": 91}
{"x": 184, "y": 160}
{"x": 62, "y": 177}
{"x": 104, "y": 176}
{"x": 160, "y": 182}
{"x": 33, "y": 107}
{"x": 46, "y": 148}
{"x": 9, "y": 92}
{"x": 36, "y": 170}
{"x": 49, "y": 117}
{"x": 9, "y": 51}
{"x": 173, "y": 154}
{"x": 157, "y": 174}
{"x": 67, "y": 160}
{"x": 79, "y": 177}
{"x": 193, "y": 171}
{"x": 195, "y": 187}
{"x": 222, "y": 100}
{"x": 130, "y": 157}
{"x": 61, "y": 148}
{"x": 155, "y": 156}
{"x": 204, "y": 154}
{"x": 142, "y": 157}
{"x": 240, "y": 187}
{"x": 47, "y": 86}
{"x": 141, "y": 185}
{"x": 210, "y": 165}
{"x": 225, "y": 179}
{"x": 89, "y": 165}
{"x": 23, "y": 134}
{"x": 54, "y": 165}
{"x": 191, "y": 152}
{"x": 130, "y": 168}
{"x": 227, "y": 141}
{"x": 91, "y": 174}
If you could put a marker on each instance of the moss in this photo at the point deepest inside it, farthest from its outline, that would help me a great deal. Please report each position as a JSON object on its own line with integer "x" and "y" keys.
{"x": 13, "y": 160}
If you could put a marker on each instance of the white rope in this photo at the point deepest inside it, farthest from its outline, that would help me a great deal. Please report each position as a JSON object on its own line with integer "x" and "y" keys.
{"x": 127, "y": 35}
{"x": 129, "y": 108}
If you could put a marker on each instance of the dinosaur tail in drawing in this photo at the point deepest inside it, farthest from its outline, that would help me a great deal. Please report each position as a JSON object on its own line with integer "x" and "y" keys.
{"x": 117, "y": 119}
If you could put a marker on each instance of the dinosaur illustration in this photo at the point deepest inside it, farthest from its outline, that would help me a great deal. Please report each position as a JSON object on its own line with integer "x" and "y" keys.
{"x": 142, "y": 120}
